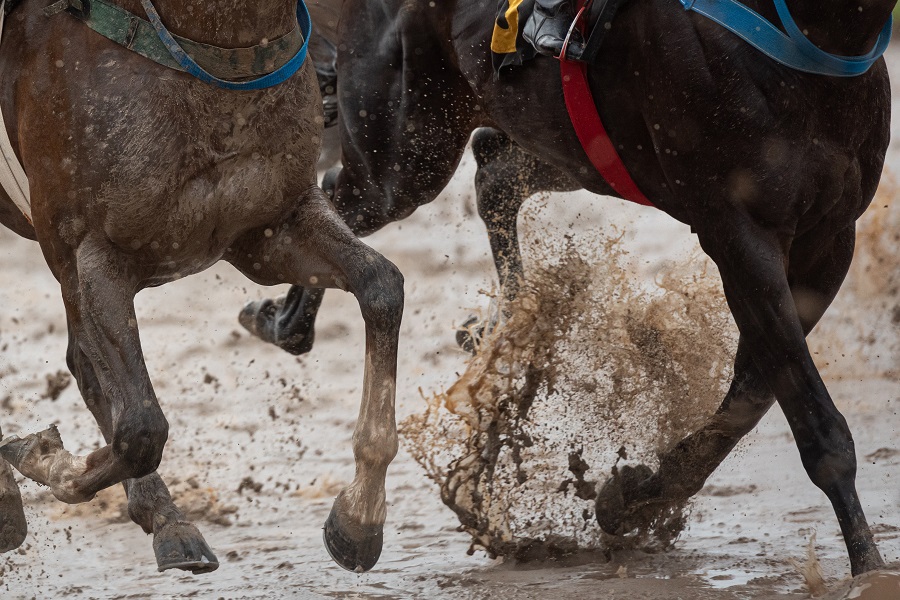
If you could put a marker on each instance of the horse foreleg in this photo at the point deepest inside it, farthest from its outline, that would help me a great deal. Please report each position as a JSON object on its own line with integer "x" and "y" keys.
{"x": 684, "y": 468}
{"x": 99, "y": 299}
{"x": 767, "y": 305}
{"x": 316, "y": 248}
{"x": 177, "y": 543}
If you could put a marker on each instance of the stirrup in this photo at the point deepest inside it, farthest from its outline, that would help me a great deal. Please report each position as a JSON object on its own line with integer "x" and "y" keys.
{"x": 565, "y": 47}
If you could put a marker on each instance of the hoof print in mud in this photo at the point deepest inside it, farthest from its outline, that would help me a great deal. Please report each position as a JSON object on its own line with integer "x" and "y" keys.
{"x": 180, "y": 545}
{"x": 354, "y": 547}
{"x": 612, "y": 504}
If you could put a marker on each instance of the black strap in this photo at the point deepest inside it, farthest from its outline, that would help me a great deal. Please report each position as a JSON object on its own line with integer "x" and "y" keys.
{"x": 606, "y": 11}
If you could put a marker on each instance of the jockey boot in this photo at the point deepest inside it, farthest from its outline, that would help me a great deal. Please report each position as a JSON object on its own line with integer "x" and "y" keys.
{"x": 548, "y": 26}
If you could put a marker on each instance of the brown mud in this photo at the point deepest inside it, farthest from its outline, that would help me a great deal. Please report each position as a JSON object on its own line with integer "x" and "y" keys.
{"x": 260, "y": 441}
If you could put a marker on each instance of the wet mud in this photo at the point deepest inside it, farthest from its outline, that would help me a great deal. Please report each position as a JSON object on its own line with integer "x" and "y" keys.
{"x": 260, "y": 440}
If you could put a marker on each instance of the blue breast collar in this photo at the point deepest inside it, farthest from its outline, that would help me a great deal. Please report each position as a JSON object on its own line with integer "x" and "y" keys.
{"x": 189, "y": 65}
{"x": 793, "y": 50}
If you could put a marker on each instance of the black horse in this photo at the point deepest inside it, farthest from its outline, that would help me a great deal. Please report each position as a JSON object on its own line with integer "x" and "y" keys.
{"x": 769, "y": 166}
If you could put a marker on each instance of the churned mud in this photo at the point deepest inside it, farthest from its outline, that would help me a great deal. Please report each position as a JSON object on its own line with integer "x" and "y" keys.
{"x": 618, "y": 345}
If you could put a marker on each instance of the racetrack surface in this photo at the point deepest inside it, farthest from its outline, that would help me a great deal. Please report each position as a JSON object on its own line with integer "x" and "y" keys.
{"x": 259, "y": 442}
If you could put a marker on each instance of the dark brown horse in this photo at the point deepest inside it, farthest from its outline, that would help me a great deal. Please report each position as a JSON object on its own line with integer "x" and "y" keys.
{"x": 140, "y": 175}
{"x": 769, "y": 166}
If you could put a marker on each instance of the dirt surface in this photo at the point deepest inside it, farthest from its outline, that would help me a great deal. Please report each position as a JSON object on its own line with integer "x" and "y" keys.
{"x": 260, "y": 441}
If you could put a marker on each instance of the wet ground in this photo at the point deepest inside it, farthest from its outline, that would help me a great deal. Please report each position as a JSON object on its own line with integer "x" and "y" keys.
{"x": 260, "y": 441}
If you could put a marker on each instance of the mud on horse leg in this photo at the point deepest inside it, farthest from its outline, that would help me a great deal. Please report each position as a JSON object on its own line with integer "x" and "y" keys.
{"x": 315, "y": 247}
{"x": 177, "y": 543}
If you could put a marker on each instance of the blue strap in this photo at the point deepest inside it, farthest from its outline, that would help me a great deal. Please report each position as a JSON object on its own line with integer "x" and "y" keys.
{"x": 188, "y": 64}
{"x": 793, "y": 50}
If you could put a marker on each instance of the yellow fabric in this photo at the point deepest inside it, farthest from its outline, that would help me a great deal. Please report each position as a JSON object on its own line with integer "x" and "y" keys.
{"x": 503, "y": 41}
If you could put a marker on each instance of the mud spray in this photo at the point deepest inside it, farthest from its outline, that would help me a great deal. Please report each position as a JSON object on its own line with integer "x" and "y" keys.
{"x": 591, "y": 367}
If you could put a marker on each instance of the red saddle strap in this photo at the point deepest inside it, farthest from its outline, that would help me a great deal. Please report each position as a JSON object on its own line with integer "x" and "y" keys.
{"x": 591, "y": 133}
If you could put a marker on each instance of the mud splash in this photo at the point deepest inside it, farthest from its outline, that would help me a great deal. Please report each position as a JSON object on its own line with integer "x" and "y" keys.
{"x": 591, "y": 368}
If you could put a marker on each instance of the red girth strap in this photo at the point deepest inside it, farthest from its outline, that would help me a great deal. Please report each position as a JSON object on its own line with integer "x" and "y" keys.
{"x": 591, "y": 133}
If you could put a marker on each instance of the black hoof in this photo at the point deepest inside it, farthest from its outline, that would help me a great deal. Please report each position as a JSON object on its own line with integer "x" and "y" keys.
{"x": 179, "y": 545}
{"x": 470, "y": 334}
{"x": 13, "y": 526}
{"x": 353, "y": 547}
{"x": 612, "y": 503}
{"x": 285, "y": 322}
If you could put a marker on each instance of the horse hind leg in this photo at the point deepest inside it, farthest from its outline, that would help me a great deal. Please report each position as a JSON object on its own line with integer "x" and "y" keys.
{"x": 287, "y": 322}
{"x": 177, "y": 543}
{"x": 99, "y": 299}
{"x": 507, "y": 176}
{"x": 316, "y": 248}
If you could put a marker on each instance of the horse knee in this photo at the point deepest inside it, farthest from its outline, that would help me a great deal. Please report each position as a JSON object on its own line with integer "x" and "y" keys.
{"x": 380, "y": 292}
{"x": 138, "y": 443}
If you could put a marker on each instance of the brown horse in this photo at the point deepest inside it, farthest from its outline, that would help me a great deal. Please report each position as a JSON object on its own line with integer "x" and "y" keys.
{"x": 140, "y": 175}
{"x": 769, "y": 166}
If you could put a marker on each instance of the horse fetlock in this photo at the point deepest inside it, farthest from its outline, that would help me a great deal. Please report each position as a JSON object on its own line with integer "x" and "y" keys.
{"x": 375, "y": 450}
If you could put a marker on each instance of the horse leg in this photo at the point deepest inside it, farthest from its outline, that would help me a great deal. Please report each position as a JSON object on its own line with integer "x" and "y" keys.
{"x": 683, "y": 470}
{"x": 315, "y": 247}
{"x": 774, "y": 307}
{"x": 390, "y": 125}
{"x": 506, "y": 177}
{"x": 13, "y": 526}
{"x": 99, "y": 298}
{"x": 177, "y": 543}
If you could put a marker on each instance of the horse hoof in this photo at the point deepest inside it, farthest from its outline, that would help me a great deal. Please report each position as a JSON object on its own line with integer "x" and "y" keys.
{"x": 179, "y": 545}
{"x": 13, "y": 526}
{"x": 354, "y": 547}
{"x": 469, "y": 334}
{"x": 261, "y": 320}
{"x": 611, "y": 505}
